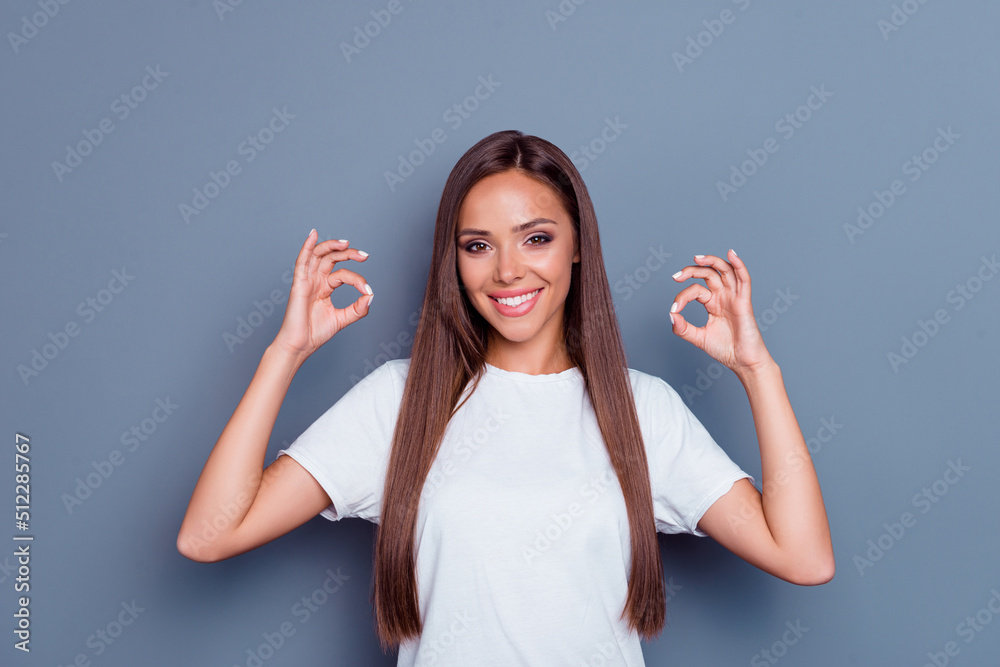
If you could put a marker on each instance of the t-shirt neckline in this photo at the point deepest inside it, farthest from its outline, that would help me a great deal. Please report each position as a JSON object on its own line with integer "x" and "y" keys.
{"x": 568, "y": 374}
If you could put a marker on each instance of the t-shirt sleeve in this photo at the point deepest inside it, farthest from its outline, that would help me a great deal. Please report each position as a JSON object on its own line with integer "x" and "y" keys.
{"x": 688, "y": 470}
{"x": 347, "y": 448}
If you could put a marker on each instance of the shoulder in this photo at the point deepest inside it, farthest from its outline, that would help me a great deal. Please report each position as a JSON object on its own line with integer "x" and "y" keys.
{"x": 647, "y": 387}
{"x": 396, "y": 368}
{"x": 657, "y": 404}
{"x": 387, "y": 379}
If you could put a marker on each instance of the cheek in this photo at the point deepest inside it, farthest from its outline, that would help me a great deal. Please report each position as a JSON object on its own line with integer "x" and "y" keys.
{"x": 469, "y": 274}
{"x": 558, "y": 267}
{"x": 463, "y": 269}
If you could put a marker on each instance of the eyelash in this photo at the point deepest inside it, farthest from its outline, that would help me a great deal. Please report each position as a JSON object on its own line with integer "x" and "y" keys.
{"x": 545, "y": 239}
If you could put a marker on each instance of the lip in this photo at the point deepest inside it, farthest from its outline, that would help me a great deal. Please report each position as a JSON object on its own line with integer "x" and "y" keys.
{"x": 506, "y": 294}
{"x": 519, "y": 311}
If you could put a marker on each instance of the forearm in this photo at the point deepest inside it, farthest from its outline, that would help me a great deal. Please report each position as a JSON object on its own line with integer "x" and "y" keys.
{"x": 792, "y": 502}
{"x": 231, "y": 477}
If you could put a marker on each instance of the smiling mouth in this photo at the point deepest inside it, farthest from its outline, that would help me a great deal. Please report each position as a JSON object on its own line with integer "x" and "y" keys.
{"x": 515, "y": 301}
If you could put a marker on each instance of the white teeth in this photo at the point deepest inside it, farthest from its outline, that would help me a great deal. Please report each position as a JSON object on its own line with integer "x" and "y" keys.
{"x": 516, "y": 301}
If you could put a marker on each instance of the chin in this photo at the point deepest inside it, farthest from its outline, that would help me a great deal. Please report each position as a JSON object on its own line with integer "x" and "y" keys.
{"x": 514, "y": 334}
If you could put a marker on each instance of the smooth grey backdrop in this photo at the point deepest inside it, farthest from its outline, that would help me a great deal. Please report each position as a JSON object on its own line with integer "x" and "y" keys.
{"x": 697, "y": 126}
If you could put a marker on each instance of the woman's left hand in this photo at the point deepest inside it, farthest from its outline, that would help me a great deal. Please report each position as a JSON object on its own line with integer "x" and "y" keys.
{"x": 731, "y": 335}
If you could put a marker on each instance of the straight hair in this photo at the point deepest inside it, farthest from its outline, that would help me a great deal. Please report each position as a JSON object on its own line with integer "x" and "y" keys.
{"x": 448, "y": 353}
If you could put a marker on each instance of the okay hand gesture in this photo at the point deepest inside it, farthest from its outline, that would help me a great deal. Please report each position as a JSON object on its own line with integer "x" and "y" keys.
{"x": 310, "y": 317}
{"x": 731, "y": 335}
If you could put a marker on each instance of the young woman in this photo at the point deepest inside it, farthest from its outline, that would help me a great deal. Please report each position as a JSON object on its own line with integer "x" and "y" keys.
{"x": 517, "y": 468}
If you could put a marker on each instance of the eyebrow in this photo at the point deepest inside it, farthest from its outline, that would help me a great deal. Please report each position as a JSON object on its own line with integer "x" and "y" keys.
{"x": 516, "y": 229}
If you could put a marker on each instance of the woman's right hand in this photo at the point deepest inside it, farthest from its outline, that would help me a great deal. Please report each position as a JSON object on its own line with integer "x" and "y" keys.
{"x": 310, "y": 318}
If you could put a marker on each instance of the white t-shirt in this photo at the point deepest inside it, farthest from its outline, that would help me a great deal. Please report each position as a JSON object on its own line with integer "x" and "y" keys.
{"x": 522, "y": 536}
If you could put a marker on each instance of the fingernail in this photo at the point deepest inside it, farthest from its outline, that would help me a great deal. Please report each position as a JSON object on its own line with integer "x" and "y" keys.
{"x": 698, "y": 256}
{"x": 370, "y": 299}
{"x": 311, "y": 233}
{"x": 673, "y": 308}
{"x": 342, "y": 240}
{"x": 671, "y": 320}
{"x": 677, "y": 275}
{"x": 362, "y": 253}
{"x": 734, "y": 252}
{"x": 368, "y": 289}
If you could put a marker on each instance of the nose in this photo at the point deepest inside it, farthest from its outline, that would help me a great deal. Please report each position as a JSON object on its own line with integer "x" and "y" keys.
{"x": 508, "y": 265}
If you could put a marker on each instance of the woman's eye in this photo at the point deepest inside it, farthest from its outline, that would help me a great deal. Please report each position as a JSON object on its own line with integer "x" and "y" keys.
{"x": 474, "y": 246}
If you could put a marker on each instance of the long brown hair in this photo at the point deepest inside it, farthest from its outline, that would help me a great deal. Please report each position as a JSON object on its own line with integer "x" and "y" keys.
{"x": 448, "y": 352}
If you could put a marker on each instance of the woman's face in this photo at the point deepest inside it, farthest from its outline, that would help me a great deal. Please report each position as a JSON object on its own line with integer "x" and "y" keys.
{"x": 516, "y": 248}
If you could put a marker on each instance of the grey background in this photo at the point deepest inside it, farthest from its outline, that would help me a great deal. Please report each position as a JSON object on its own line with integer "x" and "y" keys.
{"x": 654, "y": 186}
